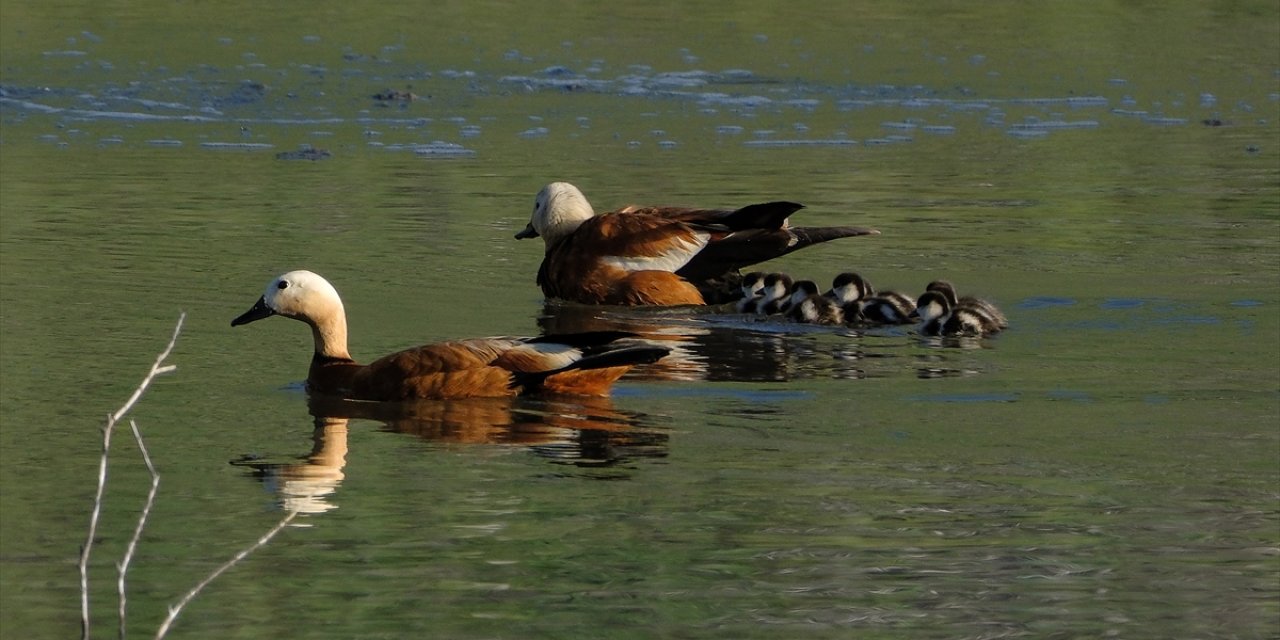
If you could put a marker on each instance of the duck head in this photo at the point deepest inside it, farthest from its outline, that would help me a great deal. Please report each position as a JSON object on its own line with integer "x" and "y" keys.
{"x": 557, "y": 211}
{"x": 303, "y": 295}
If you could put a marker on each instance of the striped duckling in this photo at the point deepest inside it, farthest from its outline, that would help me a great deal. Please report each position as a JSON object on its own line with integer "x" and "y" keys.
{"x": 775, "y": 294}
{"x": 752, "y": 288}
{"x": 576, "y": 364}
{"x": 946, "y": 289}
{"x": 862, "y": 303}
{"x": 808, "y": 306}
{"x": 939, "y": 318}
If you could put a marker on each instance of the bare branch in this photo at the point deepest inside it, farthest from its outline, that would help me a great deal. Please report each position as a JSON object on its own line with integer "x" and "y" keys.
{"x": 177, "y": 609}
{"x": 156, "y": 369}
{"x": 123, "y": 567}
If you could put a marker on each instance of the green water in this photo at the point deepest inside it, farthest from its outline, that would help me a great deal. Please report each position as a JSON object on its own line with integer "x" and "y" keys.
{"x": 1108, "y": 466}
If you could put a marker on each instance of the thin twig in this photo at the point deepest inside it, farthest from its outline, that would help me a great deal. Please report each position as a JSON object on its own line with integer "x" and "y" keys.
{"x": 176, "y": 609}
{"x": 123, "y": 567}
{"x": 112, "y": 419}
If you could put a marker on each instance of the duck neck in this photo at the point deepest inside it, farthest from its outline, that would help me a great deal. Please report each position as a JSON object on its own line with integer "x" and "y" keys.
{"x": 330, "y": 334}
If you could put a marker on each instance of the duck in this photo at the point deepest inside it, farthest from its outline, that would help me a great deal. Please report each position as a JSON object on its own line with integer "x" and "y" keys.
{"x": 862, "y": 303}
{"x": 817, "y": 309}
{"x": 948, "y": 290}
{"x": 939, "y": 318}
{"x": 573, "y": 364}
{"x": 658, "y": 255}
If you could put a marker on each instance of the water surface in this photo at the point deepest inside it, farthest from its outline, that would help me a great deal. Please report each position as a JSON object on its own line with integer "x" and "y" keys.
{"x": 1108, "y": 466}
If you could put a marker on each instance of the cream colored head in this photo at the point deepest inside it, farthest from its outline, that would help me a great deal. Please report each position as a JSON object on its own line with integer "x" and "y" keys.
{"x": 303, "y": 295}
{"x": 557, "y": 211}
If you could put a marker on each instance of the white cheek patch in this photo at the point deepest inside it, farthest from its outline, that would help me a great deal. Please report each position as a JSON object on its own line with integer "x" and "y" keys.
{"x": 677, "y": 254}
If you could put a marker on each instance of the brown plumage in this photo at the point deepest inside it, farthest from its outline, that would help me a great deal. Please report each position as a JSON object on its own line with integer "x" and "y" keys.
{"x": 659, "y": 255}
{"x": 578, "y": 364}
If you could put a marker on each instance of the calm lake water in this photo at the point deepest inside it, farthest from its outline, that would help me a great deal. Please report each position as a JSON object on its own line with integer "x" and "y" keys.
{"x": 1109, "y": 466}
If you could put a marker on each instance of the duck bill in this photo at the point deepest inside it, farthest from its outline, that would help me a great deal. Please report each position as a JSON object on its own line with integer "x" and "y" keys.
{"x": 258, "y": 311}
{"x": 527, "y": 232}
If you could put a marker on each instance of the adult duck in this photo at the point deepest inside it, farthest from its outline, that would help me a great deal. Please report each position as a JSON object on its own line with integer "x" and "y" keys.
{"x": 577, "y": 364}
{"x": 658, "y": 255}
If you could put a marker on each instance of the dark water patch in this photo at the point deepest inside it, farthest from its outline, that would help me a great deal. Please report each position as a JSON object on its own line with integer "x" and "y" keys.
{"x": 1069, "y": 394}
{"x": 1045, "y": 302}
{"x": 800, "y": 143}
{"x": 1122, "y": 303}
{"x": 236, "y": 146}
{"x": 967, "y": 398}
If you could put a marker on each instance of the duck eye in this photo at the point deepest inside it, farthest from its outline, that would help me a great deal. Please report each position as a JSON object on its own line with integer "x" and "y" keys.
{"x": 282, "y": 285}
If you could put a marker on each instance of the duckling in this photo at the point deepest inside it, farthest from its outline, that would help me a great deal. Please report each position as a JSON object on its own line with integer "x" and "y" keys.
{"x": 861, "y": 302}
{"x": 848, "y": 290}
{"x": 776, "y": 292}
{"x": 939, "y": 318}
{"x": 989, "y": 309}
{"x": 800, "y": 290}
{"x": 752, "y": 286}
{"x": 814, "y": 309}
{"x": 888, "y": 307}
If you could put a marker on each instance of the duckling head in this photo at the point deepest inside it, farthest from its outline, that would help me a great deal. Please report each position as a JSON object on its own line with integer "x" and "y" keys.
{"x": 557, "y": 211}
{"x": 932, "y": 305}
{"x": 752, "y": 283}
{"x": 850, "y": 287}
{"x": 776, "y": 286}
{"x": 945, "y": 288}
{"x": 803, "y": 289}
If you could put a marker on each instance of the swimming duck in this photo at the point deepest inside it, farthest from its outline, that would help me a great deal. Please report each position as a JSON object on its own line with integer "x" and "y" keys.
{"x": 657, "y": 255}
{"x": 989, "y": 309}
{"x": 939, "y": 318}
{"x": 578, "y": 364}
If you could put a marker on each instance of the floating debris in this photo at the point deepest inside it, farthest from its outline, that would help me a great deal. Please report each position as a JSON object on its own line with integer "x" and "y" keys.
{"x": 236, "y": 146}
{"x": 306, "y": 152}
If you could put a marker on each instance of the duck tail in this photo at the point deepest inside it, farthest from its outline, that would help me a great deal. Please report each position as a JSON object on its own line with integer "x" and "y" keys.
{"x": 766, "y": 215}
{"x": 623, "y": 357}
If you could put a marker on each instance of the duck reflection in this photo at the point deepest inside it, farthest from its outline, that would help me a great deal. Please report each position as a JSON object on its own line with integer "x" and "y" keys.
{"x": 707, "y": 343}
{"x": 577, "y": 431}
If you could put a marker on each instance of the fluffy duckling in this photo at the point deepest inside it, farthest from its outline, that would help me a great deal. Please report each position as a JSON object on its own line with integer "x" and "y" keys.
{"x": 579, "y": 364}
{"x": 752, "y": 286}
{"x": 862, "y": 303}
{"x": 889, "y": 307}
{"x": 775, "y": 294}
{"x": 989, "y": 309}
{"x": 657, "y": 255}
{"x": 817, "y": 309}
{"x": 848, "y": 289}
{"x": 939, "y": 318}
{"x": 800, "y": 290}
